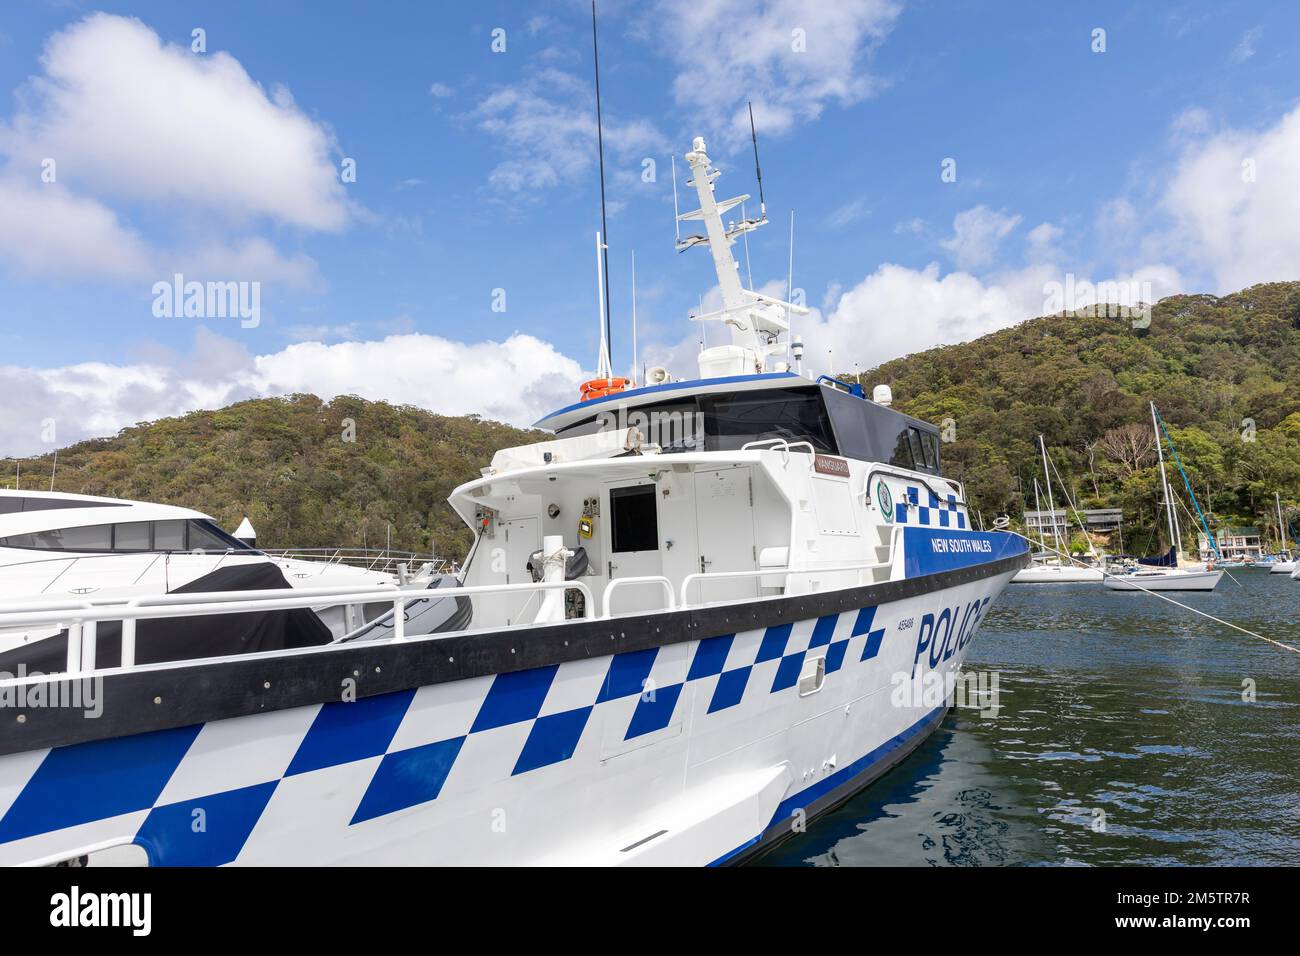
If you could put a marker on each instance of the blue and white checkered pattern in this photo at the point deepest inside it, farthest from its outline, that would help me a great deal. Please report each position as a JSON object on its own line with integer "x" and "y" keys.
{"x": 935, "y": 513}
{"x": 407, "y": 747}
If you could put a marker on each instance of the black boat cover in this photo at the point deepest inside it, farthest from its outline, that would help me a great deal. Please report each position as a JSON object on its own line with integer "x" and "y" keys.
{"x": 187, "y": 638}
{"x": 1169, "y": 560}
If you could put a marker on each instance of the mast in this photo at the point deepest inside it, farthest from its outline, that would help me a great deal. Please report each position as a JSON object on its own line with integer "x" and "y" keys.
{"x": 1051, "y": 507}
{"x": 1164, "y": 481}
{"x": 1178, "y": 532}
{"x": 733, "y": 293}
{"x": 1038, "y": 506}
{"x": 755, "y": 321}
{"x": 1281, "y": 525}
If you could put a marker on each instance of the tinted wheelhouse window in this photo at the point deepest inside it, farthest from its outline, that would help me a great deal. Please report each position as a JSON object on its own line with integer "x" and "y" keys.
{"x": 722, "y": 421}
{"x": 871, "y": 432}
{"x": 633, "y": 519}
{"x": 902, "y": 456}
{"x": 930, "y": 445}
{"x": 673, "y": 426}
{"x": 914, "y": 442}
{"x": 732, "y": 420}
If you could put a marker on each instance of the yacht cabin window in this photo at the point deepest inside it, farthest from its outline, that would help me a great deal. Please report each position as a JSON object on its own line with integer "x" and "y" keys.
{"x": 130, "y": 536}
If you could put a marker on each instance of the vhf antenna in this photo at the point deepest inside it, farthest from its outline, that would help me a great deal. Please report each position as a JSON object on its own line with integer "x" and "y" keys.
{"x": 758, "y": 171}
{"x": 677, "y": 222}
{"x": 600, "y": 145}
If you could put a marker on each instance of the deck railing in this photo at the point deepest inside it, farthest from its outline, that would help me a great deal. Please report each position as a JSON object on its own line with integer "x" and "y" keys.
{"x": 81, "y": 618}
{"x": 367, "y": 559}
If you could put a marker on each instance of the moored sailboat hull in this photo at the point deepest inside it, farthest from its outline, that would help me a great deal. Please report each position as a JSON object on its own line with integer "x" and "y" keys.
{"x": 1172, "y": 580}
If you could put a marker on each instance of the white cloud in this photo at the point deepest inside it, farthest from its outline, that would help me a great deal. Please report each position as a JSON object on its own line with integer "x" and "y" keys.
{"x": 1245, "y": 47}
{"x": 547, "y": 124}
{"x": 516, "y": 380}
{"x": 849, "y": 213}
{"x": 50, "y": 231}
{"x": 1193, "y": 121}
{"x": 896, "y": 310}
{"x": 1236, "y": 205}
{"x": 731, "y": 51}
{"x": 124, "y": 114}
{"x": 1116, "y": 216}
{"x": 976, "y": 235}
{"x": 61, "y": 234}
{"x": 440, "y": 91}
{"x": 1041, "y": 241}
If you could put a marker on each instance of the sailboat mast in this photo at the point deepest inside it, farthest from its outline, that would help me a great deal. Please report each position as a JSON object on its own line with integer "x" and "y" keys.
{"x": 1038, "y": 506}
{"x": 1164, "y": 481}
{"x": 1051, "y": 506}
{"x": 1281, "y": 525}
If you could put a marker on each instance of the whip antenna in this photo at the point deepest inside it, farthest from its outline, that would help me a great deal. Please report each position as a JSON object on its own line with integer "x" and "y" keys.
{"x": 758, "y": 171}
{"x": 600, "y": 146}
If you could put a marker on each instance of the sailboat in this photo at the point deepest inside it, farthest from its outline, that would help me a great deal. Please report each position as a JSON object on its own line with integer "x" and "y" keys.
{"x": 1052, "y": 570}
{"x": 1171, "y": 577}
{"x": 1285, "y": 564}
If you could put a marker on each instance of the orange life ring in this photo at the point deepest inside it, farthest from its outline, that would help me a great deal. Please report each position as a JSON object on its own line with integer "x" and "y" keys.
{"x": 600, "y": 387}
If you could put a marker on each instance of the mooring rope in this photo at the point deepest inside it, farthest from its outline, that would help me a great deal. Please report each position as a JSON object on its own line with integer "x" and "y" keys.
{"x": 1185, "y": 607}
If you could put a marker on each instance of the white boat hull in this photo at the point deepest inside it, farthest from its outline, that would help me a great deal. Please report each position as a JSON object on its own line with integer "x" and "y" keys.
{"x": 1165, "y": 581}
{"x": 1283, "y": 567}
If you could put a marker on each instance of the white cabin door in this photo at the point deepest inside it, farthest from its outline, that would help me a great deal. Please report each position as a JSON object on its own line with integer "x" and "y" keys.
{"x": 724, "y": 511}
{"x": 634, "y": 545}
{"x": 522, "y": 539}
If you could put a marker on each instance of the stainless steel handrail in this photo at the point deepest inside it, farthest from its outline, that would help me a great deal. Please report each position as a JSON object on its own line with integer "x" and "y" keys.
{"x": 642, "y": 579}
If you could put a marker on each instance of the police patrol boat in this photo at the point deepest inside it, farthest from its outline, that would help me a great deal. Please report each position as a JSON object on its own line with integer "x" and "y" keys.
{"x": 701, "y": 614}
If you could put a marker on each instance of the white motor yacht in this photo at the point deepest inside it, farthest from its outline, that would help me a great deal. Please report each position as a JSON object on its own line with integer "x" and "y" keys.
{"x": 55, "y": 545}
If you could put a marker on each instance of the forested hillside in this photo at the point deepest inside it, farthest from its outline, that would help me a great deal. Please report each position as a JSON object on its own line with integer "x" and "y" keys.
{"x": 295, "y": 466}
{"x": 1224, "y": 372}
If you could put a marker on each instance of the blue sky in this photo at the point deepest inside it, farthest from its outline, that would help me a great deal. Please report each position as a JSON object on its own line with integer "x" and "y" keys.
{"x": 474, "y": 172}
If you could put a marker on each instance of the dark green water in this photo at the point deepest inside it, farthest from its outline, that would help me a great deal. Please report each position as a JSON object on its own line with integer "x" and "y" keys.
{"x": 1111, "y": 702}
